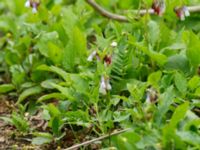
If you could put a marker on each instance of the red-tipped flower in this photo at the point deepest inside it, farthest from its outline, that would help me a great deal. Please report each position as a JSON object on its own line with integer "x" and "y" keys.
{"x": 107, "y": 59}
{"x": 182, "y": 12}
{"x": 34, "y": 4}
{"x": 159, "y": 7}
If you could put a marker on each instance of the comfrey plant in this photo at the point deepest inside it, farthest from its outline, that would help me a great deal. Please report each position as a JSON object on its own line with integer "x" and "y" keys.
{"x": 34, "y": 4}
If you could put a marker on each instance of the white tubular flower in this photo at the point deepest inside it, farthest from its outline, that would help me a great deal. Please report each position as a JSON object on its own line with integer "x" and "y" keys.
{"x": 151, "y": 95}
{"x": 108, "y": 86}
{"x": 91, "y": 56}
{"x": 148, "y": 98}
{"x": 104, "y": 85}
{"x": 27, "y": 4}
{"x": 114, "y": 44}
{"x": 102, "y": 88}
{"x": 34, "y": 10}
{"x": 186, "y": 11}
{"x": 182, "y": 17}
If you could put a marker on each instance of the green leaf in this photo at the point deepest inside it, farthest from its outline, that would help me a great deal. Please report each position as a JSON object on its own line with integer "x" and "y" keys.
{"x": 75, "y": 52}
{"x": 194, "y": 82}
{"x": 189, "y": 137}
{"x": 58, "y": 96}
{"x": 65, "y": 91}
{"x": 44, "y": 40}
{"x": 55, "y": 53}
{"x": 56, "y": 70}
{"x": 154, "y": 32}
{"x": 41, "y": 140}
{"x": 159, "y": 58}
{"x": 29, "y": 92}
{"x": 7, "y": 119}
{"x": 126, "y": 140}
{"x": 154, "y": 78}
{"x": 6, "y": 88}
{"x": 178, "y": 62}
{"x": 165, "y": 101}
{"x": 193, "y": 50}
{"x": 180, "y": 82}
{"x": 179, "y": 114}
{"x": 56, "y": 125}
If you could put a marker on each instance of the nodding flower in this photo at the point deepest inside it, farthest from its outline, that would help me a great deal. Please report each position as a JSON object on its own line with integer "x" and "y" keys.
{"x": 93, "y": 55}
{"x": 33, "y": 4}
{"x": 27, "y": 4}
{"x": 159, "y": 7}
{"x": 104, "y": 85}
{"x": 182, "y": 12}
{"x": 107, "y": 60}
{"x": 151, "y": 95}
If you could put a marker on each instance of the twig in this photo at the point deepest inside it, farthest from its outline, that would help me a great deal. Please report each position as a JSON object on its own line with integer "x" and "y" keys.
{"x": 121, "y": 18}
{"x": 106, "y": 13}
{"x": 97, "y": 139}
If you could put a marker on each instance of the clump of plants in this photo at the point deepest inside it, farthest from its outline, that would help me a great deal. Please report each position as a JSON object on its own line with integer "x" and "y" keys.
{"x": 76, "y": 76}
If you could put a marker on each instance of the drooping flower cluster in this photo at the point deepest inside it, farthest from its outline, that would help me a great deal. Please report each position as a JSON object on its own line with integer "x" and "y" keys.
{"x": 182, "y": 12}
{"x": 159, "y": 7}
{"x": 151, "y": 95}
{"x": 104, "y": 85}
{"x": 107, "y": 60}
{"x": 34, "y": 4}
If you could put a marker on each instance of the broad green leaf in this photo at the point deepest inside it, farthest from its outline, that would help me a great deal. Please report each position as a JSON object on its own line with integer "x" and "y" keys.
{"x": 165, "y": 101}
{"x": 154, "y": 78}
{"x": 55, "y": 53}
{"x": 75, "y": 51}
{"x": 65, "y": 91}
{"x": 56, "y": 70}
{"x": 193, "y": 50}
{"x": 189, "y": 137}
{"x": 53, "y": 110}
{"x": 178, "y": 62}
{"x": 159, "y": 58}
{"x": 154, "y": 32}
{"x": 44, "y": 40}
{"x": 41, "y": 140}
{"x": 180, "y": 82}
{"x": 194, "y": 82}
{"x": 58, "y": 96}
{"x": 126, "y": 140}
{"x": 6, "y": 88}
{"x": 179, "y": 114}
{"x": 47, "y": 83}
{"x": 29, "y": 92}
